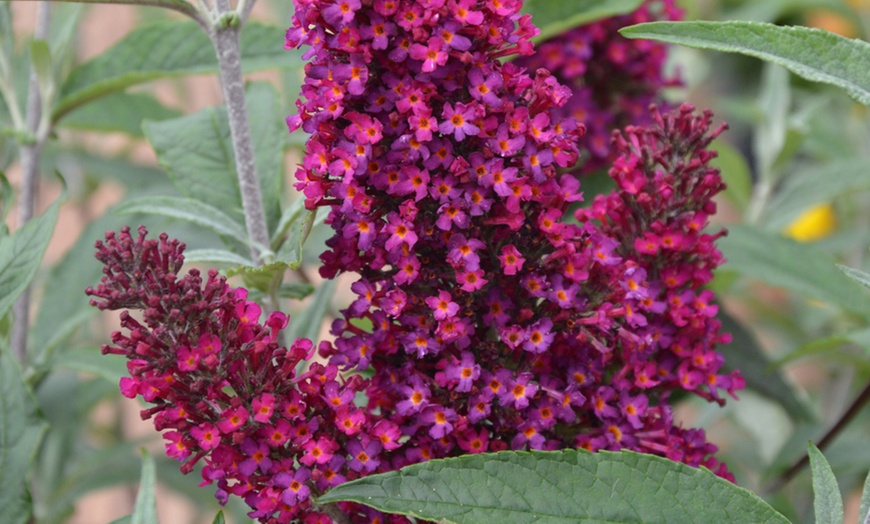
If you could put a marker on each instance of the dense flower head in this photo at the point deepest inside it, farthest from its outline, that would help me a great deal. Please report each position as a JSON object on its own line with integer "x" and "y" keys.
{"x": 222, "y": 386}
{"x": 612, "y": 79}
{"x": 489, "y": 319}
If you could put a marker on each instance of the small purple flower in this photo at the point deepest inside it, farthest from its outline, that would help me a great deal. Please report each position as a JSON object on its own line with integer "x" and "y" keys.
{"x": 464, "y": 372}
{"x": 442, "y": 305}
{"x": 485, "y": 88}
{"x": 457, "y": 121}
{"x": 364, "y": 454}
{"x": 296, "y": 488}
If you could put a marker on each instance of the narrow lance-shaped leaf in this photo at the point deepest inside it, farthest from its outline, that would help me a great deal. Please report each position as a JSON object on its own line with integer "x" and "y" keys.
{"x": 145, "y": 509}
{"x": 187, "y": 209}
{"x": 568, "y": 486}
{"x": 176, "y": 5}
{"x": 856, "y": 274}
{"x": 21, "y": 430}
{"x": 21, "y": 253}
{"x": 827, "y": 502}
{"x": 864, "y": 512}
{"x": 814, "y": 54}
{"x": 553, "y": 17}
{"x": 165, "y": 49}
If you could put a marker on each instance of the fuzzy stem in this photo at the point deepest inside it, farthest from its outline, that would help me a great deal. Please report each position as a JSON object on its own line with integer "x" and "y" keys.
{"x": 29, "y": 177}
{"x": 225, "y": 37}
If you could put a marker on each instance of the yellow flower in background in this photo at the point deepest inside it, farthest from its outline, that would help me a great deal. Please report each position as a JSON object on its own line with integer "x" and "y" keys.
{"x": 813, "y": 224}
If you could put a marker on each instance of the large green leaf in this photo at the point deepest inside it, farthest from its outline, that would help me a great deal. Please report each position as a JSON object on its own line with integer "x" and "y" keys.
{"x": 553, "y": 17}
{"x": 744, "y": 354}
{"x": 189, "y": 209}
{"x": 828, "y": 503}
{"x": 145, "y": 509}
{"x": 21, "y": 253}
{"x": 557, "y": 487}
{"x": 782, "y": 262}
{"x": 814, "y": 54}
{"x": 197, "y": 153}
{"x": 165, "y": 49}
{"x": 21, "y": 429}
{"x": 123, "y": 112}
{"x": 815, "y": 185}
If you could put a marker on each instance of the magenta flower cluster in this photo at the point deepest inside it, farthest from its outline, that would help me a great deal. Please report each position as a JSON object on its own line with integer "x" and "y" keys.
{"x": 487, "y": 316}
{"x": 488, "y": 319}
{"x": 613, "y": 79}
{"x": 224, "y": 390}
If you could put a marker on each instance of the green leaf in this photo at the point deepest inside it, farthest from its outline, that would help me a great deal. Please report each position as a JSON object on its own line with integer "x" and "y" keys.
{"x": 219, "y": 518}
{"x": 744, "y": 354}
{"x": 176, "y": 5}
{"x": 814, "y": 54}
{"x": 827, "y": 502}
{"x": 216, "y": 256}
{"x": 825, "y": 346}
{"x": 295, "y": 290}
{"x": 188, "y": 209}
{"x": 41, "y": 56}
{"x": 261, "y": 278}
{"x": 735, "y": 173}
{"x": 165, "y": 49}
{"x": 815, "y": 185}
{"x": 197, "y": 153}
{"x": 864, "y": 512}
{"x": 7, "y": 198}
{"x": 119, "y": 112}
{"x": 308, "y": 323}
{"x": 21, "y": 429}
{"x": 21, "y": 253}
{"x": 770, "y": 133}
{"x": 568, "y": 486}
{"x": 299, "y": 230}
{"x": 64, "y": 295}
{"x": 145, "y": 509}
{"x": 782, "y": 262}
{"x": 856, "y": 275}
{"x": 553, "y": 17}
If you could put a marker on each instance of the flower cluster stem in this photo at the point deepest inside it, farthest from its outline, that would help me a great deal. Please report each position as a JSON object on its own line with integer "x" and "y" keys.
{"x": 30, "y": 153}
{"x": 225, "y": 38}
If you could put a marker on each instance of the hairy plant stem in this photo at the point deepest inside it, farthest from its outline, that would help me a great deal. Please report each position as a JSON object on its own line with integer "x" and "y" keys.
{"x": 225, "y": 38}
{"x": 30, "y": 153}
{"x": 835, "y": 430}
